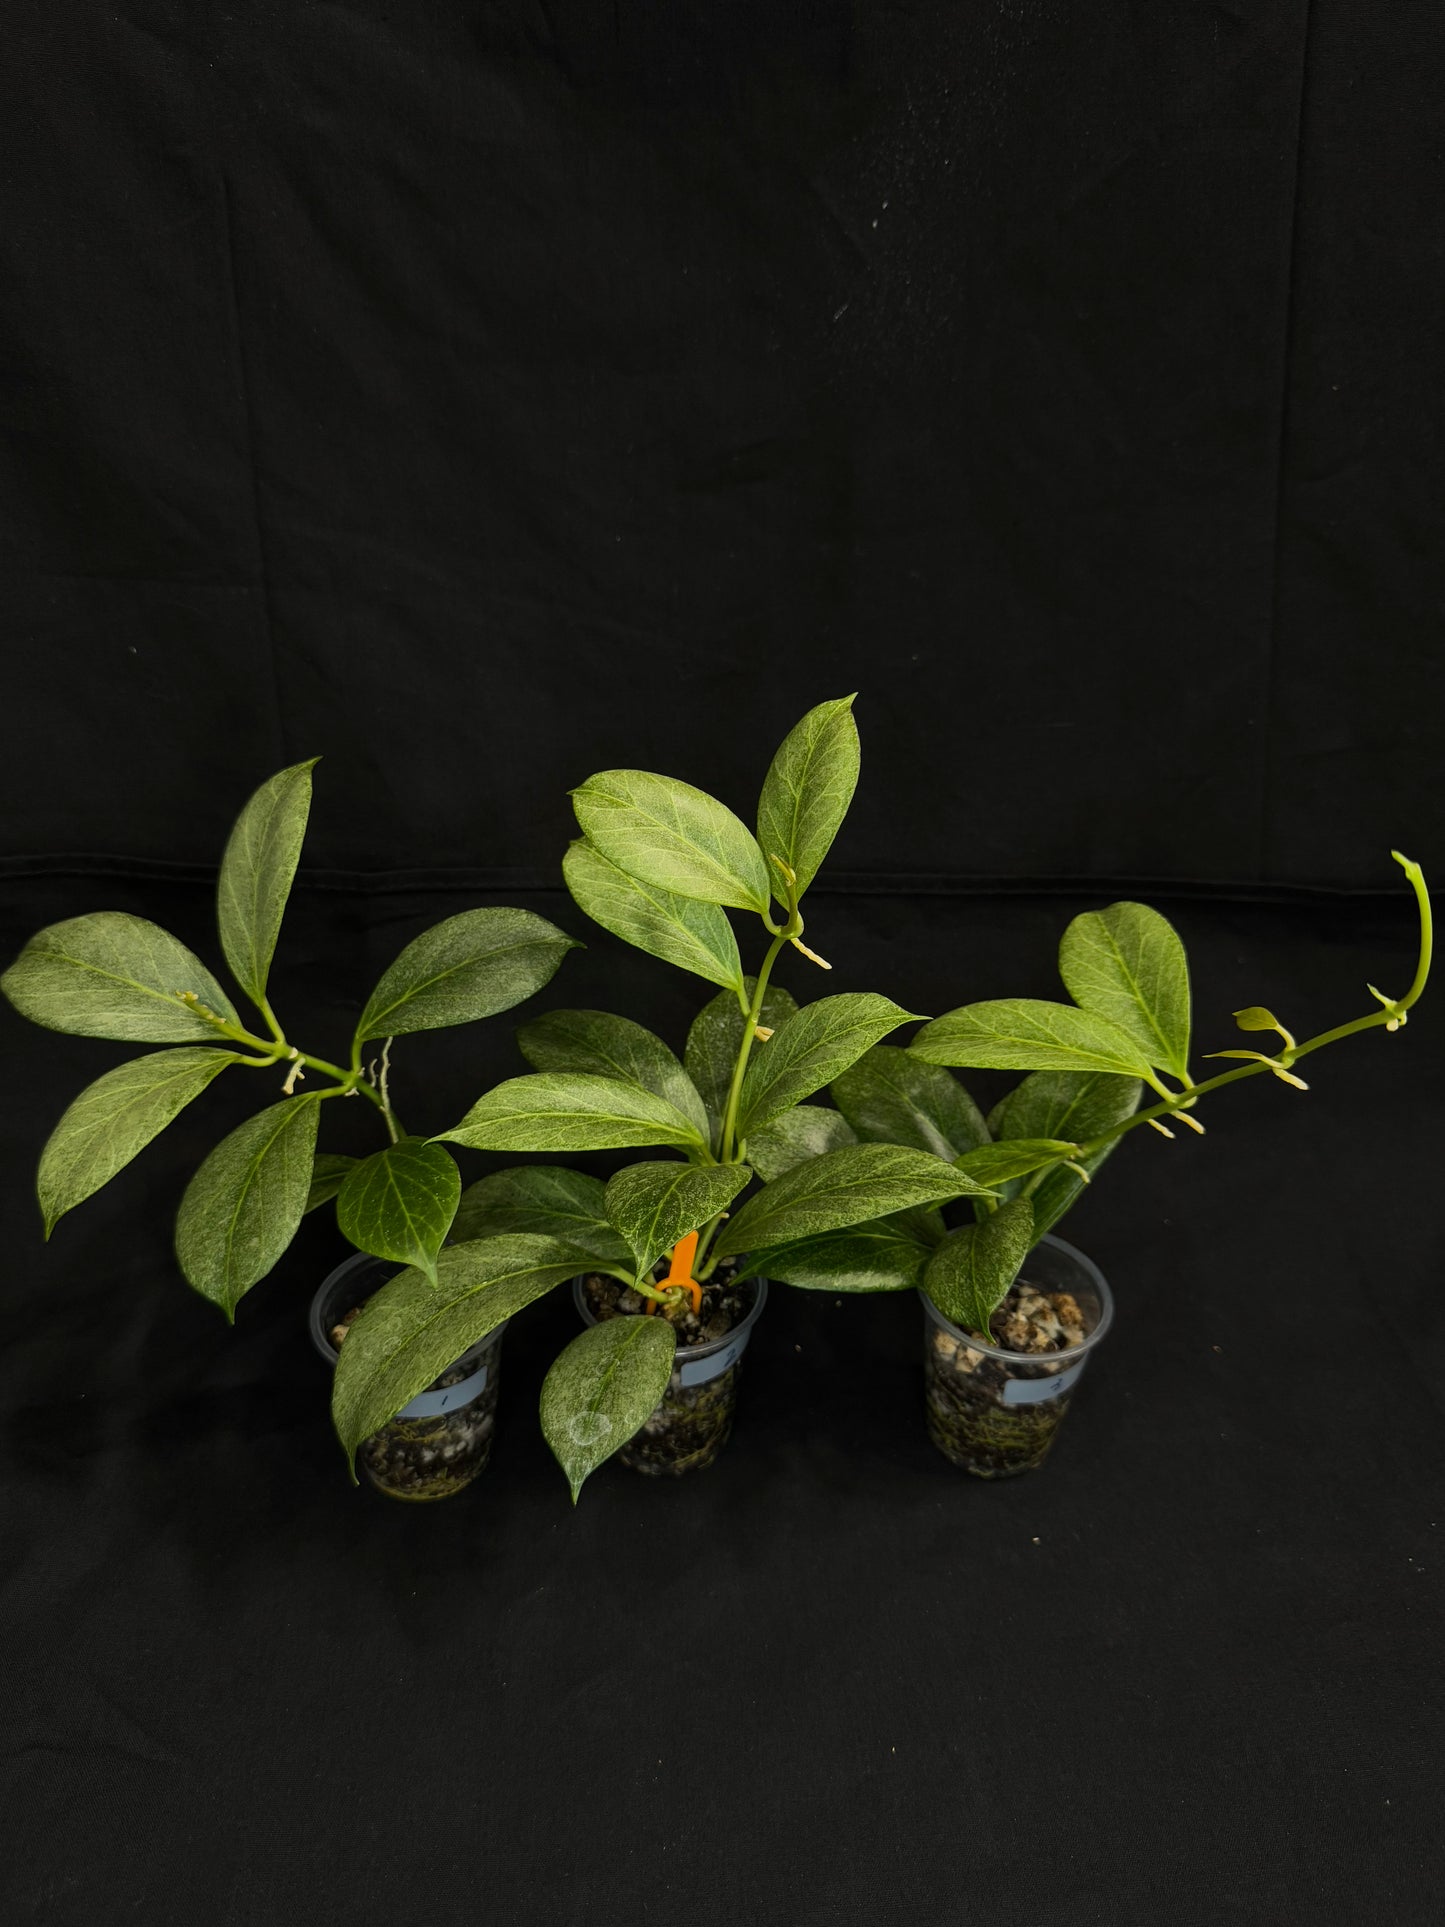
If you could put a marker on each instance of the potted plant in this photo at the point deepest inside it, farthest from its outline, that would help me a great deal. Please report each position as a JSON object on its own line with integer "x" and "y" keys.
{"x": 1012, "y": 1312}
{"x": 668, "y": 1283}
{"x": 114, "y": 975}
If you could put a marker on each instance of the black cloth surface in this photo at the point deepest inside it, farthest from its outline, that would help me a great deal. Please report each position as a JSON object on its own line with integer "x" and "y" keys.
{"x": 482, "y": 392}
{"x": 479, "y": 395}
{"x": 1187, "y": 1672}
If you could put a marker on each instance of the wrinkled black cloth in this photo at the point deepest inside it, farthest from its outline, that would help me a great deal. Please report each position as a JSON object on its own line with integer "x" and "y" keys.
{"x": 482, "y": 392}
{"x": 1188, "y": 1671}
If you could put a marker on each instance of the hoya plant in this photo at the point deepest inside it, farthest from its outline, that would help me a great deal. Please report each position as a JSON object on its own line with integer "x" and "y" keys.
{"x": 1090, "y": 1062}
{"x": 660, "y": 864}
{"x": 114, "y": 975}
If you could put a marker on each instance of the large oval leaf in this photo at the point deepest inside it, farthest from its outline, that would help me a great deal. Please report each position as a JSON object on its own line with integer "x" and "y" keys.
{"x": 807, "y": 791}
{"x": 114, "y": 975}
{"x": 544, "y": 1200}
{"x": 891, "y": 1097}
{"x": 694, "y": 936}
{"x": 997, "y": 1164}
{"x": 653, "y": 1205}
{"x": 673, "y": 836}
{"x": 880, "y": 1255}
{"x": 116, "y": 1117}
{"x": 602, "y": 1388}
{"x": 572, "y": 1111}
{"x": 1028, "y": 1034}
{"x": 807, "y": 1131}
{"x": 411, "y": 1330}
{"x": 257, "y": 872}
{"x": 1127, "y": 963}
{"x": 841, "y": 1188}
{"x": 608, "y": 1046}
{"x": 399, "y": 1203}
{"x": 716, "y": 1037}
{"x": 329, "y": 1171}
{"x": 1077, "y": 1105}
{"x": 969, "y": 1275}
{"x": 466, "y": 967}
{"x": 810, "y": 1050}
{"x": 241, "y": 1209}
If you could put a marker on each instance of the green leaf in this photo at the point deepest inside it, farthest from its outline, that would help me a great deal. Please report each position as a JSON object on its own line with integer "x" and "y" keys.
{"x": 257, "y": 872}
{"x": 969, "y": 1275}
{"x": 1077, "y": 1105}
{"x": 1127, "y": 964}
{"x": 411, "y": 1330}
{"x": 399, "y": 1203}
{"x": 996, "y": 1164}
{"x": 672, "y": 836}
{"x": 572, "y": 1111}
{"x": 1072, "y": 1105}
{"x": 114, "y": 975}
{"x": 329, "y": 1171}
{"x": 241, "y": 1209}
{"x": 880, "y": 1255}
{"x": 602, "y": 1388}
{"x": 892, "y": 1097}
{"x": 807, "y": 1131}
{"x": 545, "y": 1200}
{"x": 694, "y": 936}
{"x": 924, "y": 1223}
{"x": 116, "y": 1117}
{"x": 810, "y": 1050}
{"x": 716, "y": 1037}
{"x": 653, "y": 1205}
{"x": 1028, "y": 1034}
{"x": 464, "y": 968}
{"x": 608, "y": 1046}
{"x": 1256, "y": 1017}
{"x": 807, "y": 791}
{"x": 841, "y": 1188}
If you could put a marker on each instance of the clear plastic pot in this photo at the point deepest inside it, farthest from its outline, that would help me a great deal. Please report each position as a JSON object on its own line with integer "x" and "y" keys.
{"x": 443, "y": 1439}
{"x": 995, "y": 1412}
{"x": 692, "y": 1422}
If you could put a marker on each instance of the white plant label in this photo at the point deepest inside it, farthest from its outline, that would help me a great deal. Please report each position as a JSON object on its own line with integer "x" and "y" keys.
{"x": 698, "y": 1371}
{"x": 434, "y": 1404}
{"x": 1033, "y": 1391}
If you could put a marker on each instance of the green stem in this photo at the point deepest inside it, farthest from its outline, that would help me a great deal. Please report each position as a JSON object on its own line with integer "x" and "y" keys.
{"x": 275, "y": 1029}
{"x": 701, "y": 1271}
{"x": 1391, "y": 1015}
{"x": 728, "y": 1140}
{"x": 280, "y": 1052}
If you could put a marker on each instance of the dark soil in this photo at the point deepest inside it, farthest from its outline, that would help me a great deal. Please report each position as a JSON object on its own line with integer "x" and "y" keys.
{"x": 971, "y": 1418}
{"x": 725, "y": 1304}
{"x": 692, "y": 1423}
{"x": 431, "y": 1458}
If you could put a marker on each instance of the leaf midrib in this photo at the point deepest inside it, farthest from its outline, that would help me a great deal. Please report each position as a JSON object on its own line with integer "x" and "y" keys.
{"x": 1141, "y": 1001}
{"x": 89, "y": 1139}
{"x": 170, "y": 998}
{"x": 253, "y": 1167}
{"x": 682, "y": 838}
{"x": 430, "y": 983}
{"x": 472, "y": 1291}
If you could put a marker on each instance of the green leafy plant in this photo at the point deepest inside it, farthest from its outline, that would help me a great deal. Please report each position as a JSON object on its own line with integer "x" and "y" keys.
{"x": 660, "y": 864}
{"x": 1089, "y": 1064}
{"x": 115, "y": 975}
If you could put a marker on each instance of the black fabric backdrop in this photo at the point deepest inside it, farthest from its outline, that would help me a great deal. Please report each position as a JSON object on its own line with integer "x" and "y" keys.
{"x": 481, "y": 395}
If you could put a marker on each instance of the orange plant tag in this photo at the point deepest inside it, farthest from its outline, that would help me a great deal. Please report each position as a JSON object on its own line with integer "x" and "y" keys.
{"x": 680, "y": 1269}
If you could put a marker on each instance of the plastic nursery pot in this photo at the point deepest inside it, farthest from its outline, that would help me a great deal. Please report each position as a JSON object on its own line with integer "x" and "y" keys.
{"x": 994, "y": 1411}
{"x": 691, "y": 1424}
{"x": 443, "y": 1439}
